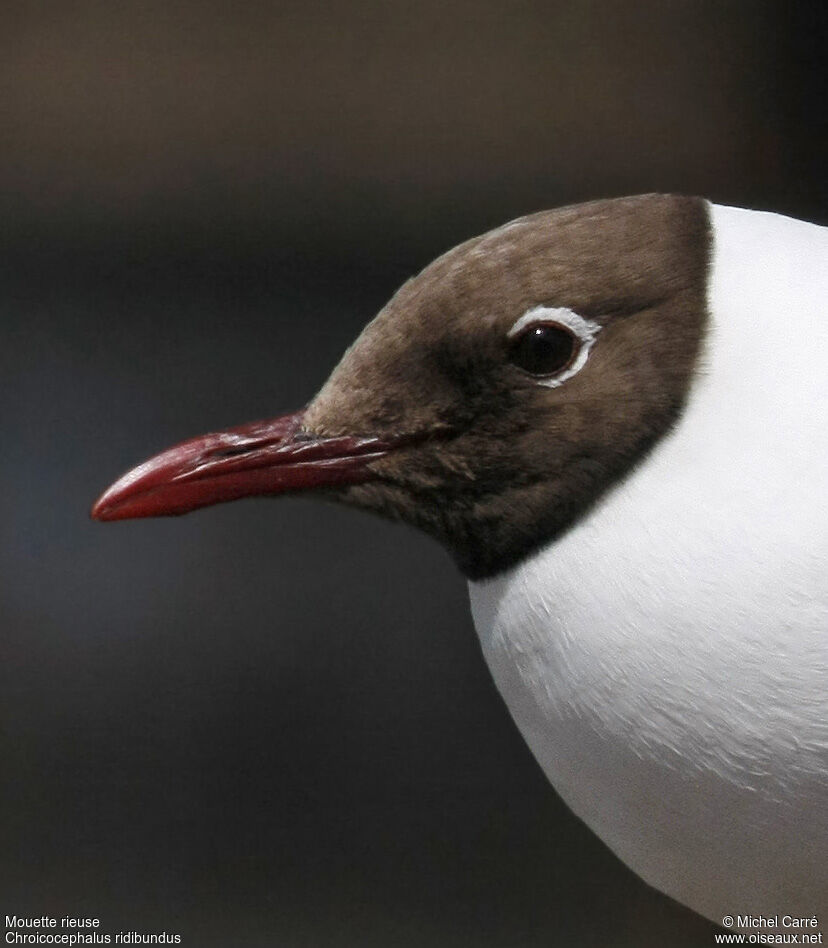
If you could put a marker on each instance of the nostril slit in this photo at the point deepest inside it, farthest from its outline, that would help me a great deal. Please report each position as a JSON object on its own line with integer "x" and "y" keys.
{"x": 230, "y": 452}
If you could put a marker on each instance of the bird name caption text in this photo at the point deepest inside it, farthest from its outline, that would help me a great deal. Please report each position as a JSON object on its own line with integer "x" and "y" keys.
{"x": 68, "y": 930}
{"x": 770, "y": 930}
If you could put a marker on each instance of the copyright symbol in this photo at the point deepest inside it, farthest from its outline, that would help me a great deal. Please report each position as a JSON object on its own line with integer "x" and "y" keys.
{"x": 727, "y": 921}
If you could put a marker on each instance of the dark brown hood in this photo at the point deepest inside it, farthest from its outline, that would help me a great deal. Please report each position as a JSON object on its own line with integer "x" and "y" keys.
{"x": 427, "y": 420}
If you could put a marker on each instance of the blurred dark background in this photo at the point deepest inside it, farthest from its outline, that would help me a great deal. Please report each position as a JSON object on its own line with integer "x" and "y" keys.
{"x": 269, "y": 724}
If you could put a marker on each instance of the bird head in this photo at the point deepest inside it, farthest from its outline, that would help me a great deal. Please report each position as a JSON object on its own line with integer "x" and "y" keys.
{"x": 496, "y": 396}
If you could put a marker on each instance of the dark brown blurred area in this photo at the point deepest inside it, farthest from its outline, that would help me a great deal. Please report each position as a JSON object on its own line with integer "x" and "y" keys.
{"x": 269, "y": 724}
{"x": 360, "y": 117}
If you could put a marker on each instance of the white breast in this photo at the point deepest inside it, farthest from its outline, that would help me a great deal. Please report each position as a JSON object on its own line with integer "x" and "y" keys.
{"x": 667, "y": 660}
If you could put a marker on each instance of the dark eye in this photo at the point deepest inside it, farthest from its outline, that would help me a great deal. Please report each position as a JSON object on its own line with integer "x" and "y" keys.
{"x": 544, "y": 349}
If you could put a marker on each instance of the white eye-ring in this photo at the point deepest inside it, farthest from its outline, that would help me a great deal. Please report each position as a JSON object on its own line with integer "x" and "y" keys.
{"x": 551, "y": 343}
